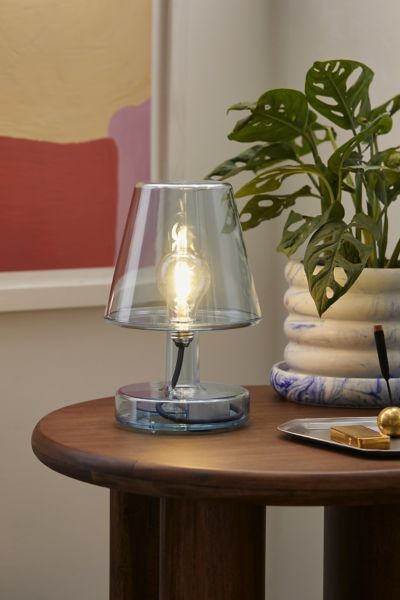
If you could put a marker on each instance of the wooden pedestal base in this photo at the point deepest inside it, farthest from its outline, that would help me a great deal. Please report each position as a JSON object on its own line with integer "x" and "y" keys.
{"x": 358, "y": 558}
{"x": 172, "y": 549}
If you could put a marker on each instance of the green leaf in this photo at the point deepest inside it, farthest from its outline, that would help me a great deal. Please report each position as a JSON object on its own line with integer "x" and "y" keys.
{"x": 331, "y": 91}
{"x": 264, "y": 207}
{"x": 280, "y": 115}
{"x": 242, "y": 106}
{"x": 328, "y": 133}
{"x": 390, "y": 107}
{"x": 367, "y": 223}
{"x": 271, "y": 153}
{"x": 292, "y": 239}
{"x": 327, "y": 251}
{"x": 271, "y": 180}
{"x": 389, "y": 168}
{"x": 235, "y": 165}
{"x": 262, "y": 156}
{"x": 382, "y": 124}
{"x": 267, "y": 181}
{"x": 352, "y": 160}
{"x": 389, "y": 158}
{"x": 257, "y": 157}
{"x": 322, "y": 134}
{"x": 381, "y": 178}
{"x": 382, "y": 173}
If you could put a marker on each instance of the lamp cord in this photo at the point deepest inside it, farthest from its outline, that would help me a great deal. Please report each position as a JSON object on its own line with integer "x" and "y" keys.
{"x": 237, "y": 412}
{"x": 178, "y": 366}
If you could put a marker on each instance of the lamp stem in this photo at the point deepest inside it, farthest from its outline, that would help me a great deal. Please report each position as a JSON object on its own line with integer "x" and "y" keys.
{"x": 189, "y": 375}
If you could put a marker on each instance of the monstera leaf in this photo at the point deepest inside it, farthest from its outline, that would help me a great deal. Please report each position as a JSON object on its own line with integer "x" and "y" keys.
{"x": 390, "y": 107}
{"x": 298, "y": 227}
{"x": 279, "y": 116}
{"x": 292, "y": 239}
{"x": 271, "y": 154}
{"x": 252, "y": 159}
{"x": 242, "y": 106}
{"x": 272, "y": 179}
{"x": 381, "y": 124}
{"x": 268, "y": 206}
{"x": 331, "y": 91}
{"x": 388, "y": 163}
{"x": 382, "y": 173}
{"x": 328, "y": 250}
{"x": 321, "y": 133}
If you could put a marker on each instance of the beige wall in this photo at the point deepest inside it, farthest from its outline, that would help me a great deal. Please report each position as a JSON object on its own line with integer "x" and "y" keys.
{"x": 300, "y": 32}
{"x": 54, "y": 530}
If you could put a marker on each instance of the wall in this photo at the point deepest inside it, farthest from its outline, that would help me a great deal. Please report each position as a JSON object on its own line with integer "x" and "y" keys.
{"x": 300, "y": 33}
{"x": 230, "y": 51}
{"x": 221, "y": 54}
{"x": 54, "y": 530}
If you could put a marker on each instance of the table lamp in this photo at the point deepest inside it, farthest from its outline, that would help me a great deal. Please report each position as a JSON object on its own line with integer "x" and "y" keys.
{"x": 182, "y": 268}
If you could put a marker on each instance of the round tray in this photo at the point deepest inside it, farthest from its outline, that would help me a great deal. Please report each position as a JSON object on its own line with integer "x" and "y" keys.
{"x": 351, "y": 392}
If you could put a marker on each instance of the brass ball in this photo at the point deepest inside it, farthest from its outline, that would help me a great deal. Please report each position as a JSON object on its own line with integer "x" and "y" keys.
{"x": 389, "y": 421}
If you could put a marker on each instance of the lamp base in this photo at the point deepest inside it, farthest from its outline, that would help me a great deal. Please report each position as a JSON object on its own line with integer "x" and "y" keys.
{"x": 206, "y": 407}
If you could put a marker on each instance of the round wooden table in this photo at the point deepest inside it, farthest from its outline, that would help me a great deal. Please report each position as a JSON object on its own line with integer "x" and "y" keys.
{"x": 187, "y": 511}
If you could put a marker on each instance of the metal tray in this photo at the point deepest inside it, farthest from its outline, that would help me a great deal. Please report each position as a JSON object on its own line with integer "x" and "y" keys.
{"x": 318, "y": 431}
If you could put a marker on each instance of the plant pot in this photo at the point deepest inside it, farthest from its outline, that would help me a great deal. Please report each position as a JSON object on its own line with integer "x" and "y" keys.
{"x": 332, "y": 359}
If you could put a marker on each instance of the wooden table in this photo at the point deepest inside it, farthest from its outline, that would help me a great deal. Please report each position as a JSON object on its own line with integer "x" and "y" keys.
{"x": 187, "y": 512}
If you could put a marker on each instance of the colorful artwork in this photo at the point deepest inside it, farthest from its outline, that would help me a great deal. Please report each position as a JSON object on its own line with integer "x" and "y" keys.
{"x": 74, "y": 128}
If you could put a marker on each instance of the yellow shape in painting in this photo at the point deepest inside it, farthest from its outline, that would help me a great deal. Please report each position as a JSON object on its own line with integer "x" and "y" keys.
{"x": 67, "y": 66}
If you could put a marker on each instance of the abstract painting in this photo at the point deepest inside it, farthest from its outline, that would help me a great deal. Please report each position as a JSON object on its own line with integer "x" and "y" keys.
{"x": 74, "y": 128}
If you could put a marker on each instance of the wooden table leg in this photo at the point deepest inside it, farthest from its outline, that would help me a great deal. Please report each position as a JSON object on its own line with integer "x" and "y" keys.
{"x": 134, "y": 547}
{"x": 211, "y": 551}
{"x": 362, "y": 552}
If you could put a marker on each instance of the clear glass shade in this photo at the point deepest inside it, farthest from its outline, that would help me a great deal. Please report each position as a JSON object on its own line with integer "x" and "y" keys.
{"x": 182, "y": 265}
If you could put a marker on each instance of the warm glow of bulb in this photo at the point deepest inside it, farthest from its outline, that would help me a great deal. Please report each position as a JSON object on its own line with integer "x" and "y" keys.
{"x": 183, "y": 283}
{"x": 184, "y": 278}
{"x": 180, "y": 239}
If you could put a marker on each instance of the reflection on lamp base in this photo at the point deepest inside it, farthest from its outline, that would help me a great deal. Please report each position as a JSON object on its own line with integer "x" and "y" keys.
{"x": 207, "y": 407}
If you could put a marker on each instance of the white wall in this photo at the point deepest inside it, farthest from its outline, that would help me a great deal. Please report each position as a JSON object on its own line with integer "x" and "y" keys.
{"x": 231, "y": 50}
{"x": 54, "y": 529}
{"x": 221, "y": 53}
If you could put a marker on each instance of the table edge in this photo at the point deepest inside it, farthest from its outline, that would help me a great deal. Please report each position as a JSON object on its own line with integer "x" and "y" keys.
{"x": 138, "y": 477}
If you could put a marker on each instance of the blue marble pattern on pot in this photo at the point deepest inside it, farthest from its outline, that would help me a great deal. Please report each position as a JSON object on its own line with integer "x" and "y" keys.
{"x": 351, "y": 392}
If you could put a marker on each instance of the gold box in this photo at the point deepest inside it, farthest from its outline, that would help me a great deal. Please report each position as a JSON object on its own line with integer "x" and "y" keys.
{"x": 359, "y": 436}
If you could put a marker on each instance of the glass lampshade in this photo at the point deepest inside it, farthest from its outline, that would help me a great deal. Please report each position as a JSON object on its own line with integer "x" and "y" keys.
{"x": 182, "y": 265}
{"x": 182, "y": 268}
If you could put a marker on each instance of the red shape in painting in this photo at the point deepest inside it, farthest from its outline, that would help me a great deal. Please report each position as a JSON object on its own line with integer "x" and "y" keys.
{"x": 57, "y": 204}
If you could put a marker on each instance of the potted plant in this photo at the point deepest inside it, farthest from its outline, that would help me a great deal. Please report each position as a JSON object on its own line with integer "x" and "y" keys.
{"x": 346, "y": 281}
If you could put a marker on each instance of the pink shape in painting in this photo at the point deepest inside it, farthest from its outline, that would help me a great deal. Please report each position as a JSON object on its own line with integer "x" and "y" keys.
{"x": 130, "y": 129}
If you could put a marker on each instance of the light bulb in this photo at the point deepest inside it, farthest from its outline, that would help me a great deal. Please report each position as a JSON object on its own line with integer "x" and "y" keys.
{"x": 183, "y": 278}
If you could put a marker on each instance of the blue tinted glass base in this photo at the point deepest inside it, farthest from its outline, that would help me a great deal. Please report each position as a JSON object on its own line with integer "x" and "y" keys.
{"x": 207, "y": 407}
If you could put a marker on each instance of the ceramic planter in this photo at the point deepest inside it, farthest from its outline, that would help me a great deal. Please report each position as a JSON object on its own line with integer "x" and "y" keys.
{"x": 332, "y": 360}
